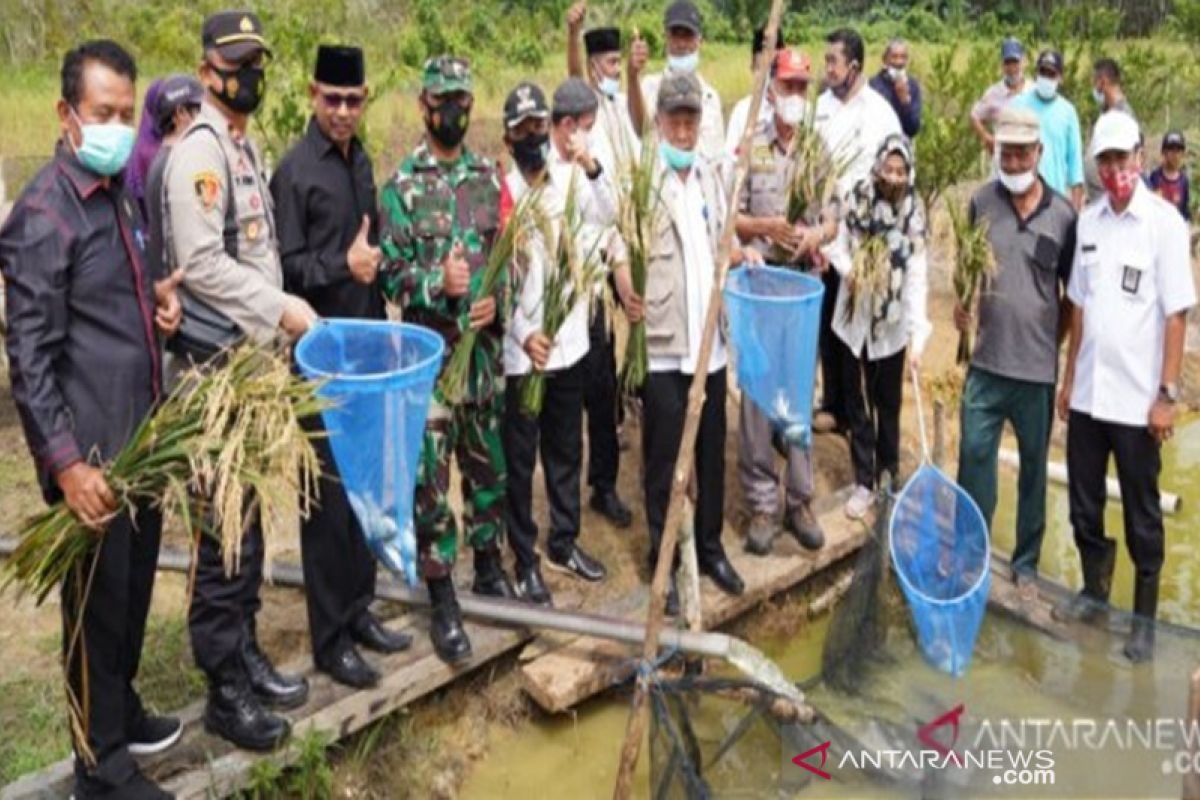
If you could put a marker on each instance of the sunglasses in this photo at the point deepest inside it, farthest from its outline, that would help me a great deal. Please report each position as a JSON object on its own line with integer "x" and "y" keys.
{"x": 336, "y": 100}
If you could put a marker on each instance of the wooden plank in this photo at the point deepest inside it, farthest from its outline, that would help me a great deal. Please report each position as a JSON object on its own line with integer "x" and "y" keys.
{"x": 586, "y": 666}
{"x": 1032, "y": 609}
{"x": 202, "y": 765}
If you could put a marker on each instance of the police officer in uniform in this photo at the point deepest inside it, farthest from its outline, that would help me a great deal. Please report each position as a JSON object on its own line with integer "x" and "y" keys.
{"x": 222, "y": 235}
{"x": 762, "y": 221}
{"x": 324, "y": 193}
{"x": 1131, "y": 287}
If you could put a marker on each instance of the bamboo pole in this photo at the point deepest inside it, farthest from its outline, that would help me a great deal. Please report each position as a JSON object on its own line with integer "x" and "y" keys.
{"x": 636, "y": 727}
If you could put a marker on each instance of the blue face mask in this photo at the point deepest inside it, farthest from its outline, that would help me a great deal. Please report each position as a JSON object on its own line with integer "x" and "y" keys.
{"x": 105, "y": 148}
{"x": 675, "y": 157}
{"x": 610, "y": 86}
{"x": 687, "y": 63}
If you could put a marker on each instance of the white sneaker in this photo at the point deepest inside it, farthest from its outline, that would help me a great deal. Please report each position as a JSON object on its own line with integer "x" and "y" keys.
{"x": 861, "y": 501}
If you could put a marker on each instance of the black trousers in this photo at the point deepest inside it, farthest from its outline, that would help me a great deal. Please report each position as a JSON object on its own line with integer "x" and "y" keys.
{"x": 1139, "y": 461}
{"x": 600, "y": 400}
{"x": 109, "y": 643}
{"x": 664, "y": 406}
{"x": 558, "y": 434}
{"x": 833, "y": 395}
{"x": 339, "y": 569}
{"x": 874, "y": 391}
{"x": 223, "y": 607}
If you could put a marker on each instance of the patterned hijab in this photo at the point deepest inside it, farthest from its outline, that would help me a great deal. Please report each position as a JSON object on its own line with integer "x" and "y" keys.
{"x": 897, "y": 220}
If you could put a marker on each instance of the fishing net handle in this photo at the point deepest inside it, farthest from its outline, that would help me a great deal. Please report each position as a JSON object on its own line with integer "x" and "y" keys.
{"x": 916, "y": 379}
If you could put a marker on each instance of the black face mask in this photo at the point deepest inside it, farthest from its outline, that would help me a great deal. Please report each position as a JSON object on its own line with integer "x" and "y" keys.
{"x": 448, "y": 123}
{"x": 242, "y": 88}
{"x": 530, "y": 152}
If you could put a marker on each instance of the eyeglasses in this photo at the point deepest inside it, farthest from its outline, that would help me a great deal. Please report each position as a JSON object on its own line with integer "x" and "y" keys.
{"x": 334, "y": 100}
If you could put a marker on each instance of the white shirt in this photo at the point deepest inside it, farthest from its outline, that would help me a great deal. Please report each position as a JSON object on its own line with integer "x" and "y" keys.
{"x": 712, "y": 118}
{"x": 595, "y": 204}
{"x": 684, "y": 201}
{"x": 738, "y": 117}
{"x": 613, "y": 137}
{"x": 855, "y": 129}
{"x": 1132, "y": 271}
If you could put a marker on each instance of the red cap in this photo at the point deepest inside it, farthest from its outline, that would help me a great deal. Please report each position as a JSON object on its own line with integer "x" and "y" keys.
{"x": 792, "y": 65}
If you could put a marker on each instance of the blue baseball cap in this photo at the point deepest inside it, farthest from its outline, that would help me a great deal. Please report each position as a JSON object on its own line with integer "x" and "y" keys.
{"x": 1011, "y": 50}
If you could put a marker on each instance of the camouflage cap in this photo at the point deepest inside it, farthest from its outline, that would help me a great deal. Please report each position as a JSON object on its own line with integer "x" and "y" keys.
{"x": 445, "y": 74}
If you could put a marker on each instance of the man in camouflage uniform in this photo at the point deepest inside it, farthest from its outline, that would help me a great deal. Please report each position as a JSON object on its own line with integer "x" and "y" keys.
{"x": 762, "y": 221}
{"x": 440, "y": 217}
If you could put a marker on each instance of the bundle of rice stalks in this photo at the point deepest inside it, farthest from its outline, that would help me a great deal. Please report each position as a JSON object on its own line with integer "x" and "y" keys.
{"x": 974, "y": 263}
{"x": 573, "y": 272}
{"x": 452, "y": 386}
{"x": 814, "y": 172}
{"x": 230, "y": 434}
{"x": 870, "y": 275}
{"x": 639, "y": 207}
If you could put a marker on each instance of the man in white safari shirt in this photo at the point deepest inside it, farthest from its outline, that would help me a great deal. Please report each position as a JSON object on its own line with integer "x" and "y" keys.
{"x": 1131, "y": 287}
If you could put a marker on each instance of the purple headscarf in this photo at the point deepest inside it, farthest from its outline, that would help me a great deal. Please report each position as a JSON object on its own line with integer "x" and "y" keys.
{"x": 149, "y": 140}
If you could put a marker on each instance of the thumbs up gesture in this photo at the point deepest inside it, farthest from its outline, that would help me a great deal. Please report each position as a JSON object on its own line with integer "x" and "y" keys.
{"x": 456, "y": 272}
{"x": 362, "y": 258}
{"x": 639, "y": 54}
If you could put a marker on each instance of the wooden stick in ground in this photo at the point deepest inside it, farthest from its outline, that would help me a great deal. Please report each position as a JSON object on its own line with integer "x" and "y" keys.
{"x": 636, "y": 728}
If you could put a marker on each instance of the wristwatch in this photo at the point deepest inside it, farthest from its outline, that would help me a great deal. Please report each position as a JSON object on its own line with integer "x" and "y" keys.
{"x": 1169, "y": 393}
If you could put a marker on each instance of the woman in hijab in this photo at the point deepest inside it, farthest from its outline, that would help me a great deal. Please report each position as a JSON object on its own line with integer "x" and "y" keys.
{"x": 146, "y": 147}
{"x": 880, "y": 312}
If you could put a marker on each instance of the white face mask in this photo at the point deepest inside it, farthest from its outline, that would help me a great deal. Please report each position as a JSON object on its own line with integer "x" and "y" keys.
{"x": 1098, "y": 96}
{"x": 610, "y": 86}
{"x": 896, "y": 73}
{"x": 791, "y": 109}
{"x": 1017, "y": 184}
{"x": 1046, "y": 88}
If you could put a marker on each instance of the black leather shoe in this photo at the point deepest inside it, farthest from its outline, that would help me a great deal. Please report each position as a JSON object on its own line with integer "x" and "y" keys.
{"x": 490, "y": 579}
{"x": 372, "y": 634}
{"x": 607, "y": 504}
{"x": 278, "y": 691}
{"x": 580, "y": 564}
{"x": 672, "y": 606}
{"x": 154, "y": 734}
{"x": 724, "y": 575}
{"x": 348, "y": 667}
{"x": 532, "y": 588}
{"x": 235, "y": 714}
{"x": 446, "y": 630}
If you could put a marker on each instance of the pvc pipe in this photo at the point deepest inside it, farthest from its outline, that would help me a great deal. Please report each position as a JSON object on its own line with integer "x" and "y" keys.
{"x": 525, "y": 615}
{"x": 1057, "y": 472}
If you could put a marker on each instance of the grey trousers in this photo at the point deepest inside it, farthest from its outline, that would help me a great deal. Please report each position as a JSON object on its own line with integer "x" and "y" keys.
{"x": 756, "y": 466}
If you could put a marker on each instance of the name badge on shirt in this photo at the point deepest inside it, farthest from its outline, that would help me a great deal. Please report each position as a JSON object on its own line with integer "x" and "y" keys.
{"x": 1131, "y": 279}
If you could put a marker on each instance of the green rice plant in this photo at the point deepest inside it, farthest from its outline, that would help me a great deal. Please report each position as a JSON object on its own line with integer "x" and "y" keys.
{"x": 571, "y": 277}
{"x": 639, "y": 207}
{"x": 521, "y": 224}
{"x": 974, "y": 263}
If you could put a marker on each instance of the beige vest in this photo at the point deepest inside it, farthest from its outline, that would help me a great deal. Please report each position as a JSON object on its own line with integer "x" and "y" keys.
{"x": 666, "y": 278}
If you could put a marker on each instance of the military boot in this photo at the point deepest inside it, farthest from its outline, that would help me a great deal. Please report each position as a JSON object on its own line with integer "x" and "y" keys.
{"x": 450, "y": 640}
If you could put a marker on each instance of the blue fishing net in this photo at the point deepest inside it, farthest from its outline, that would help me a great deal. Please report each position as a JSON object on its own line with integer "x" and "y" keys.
{"x": 774, "y": 322}
{"x": 379, "y": 377}
{"x": 939, "y": 546}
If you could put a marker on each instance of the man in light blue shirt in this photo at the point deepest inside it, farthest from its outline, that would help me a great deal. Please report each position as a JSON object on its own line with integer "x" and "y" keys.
{"x": 1062, "y": 144}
